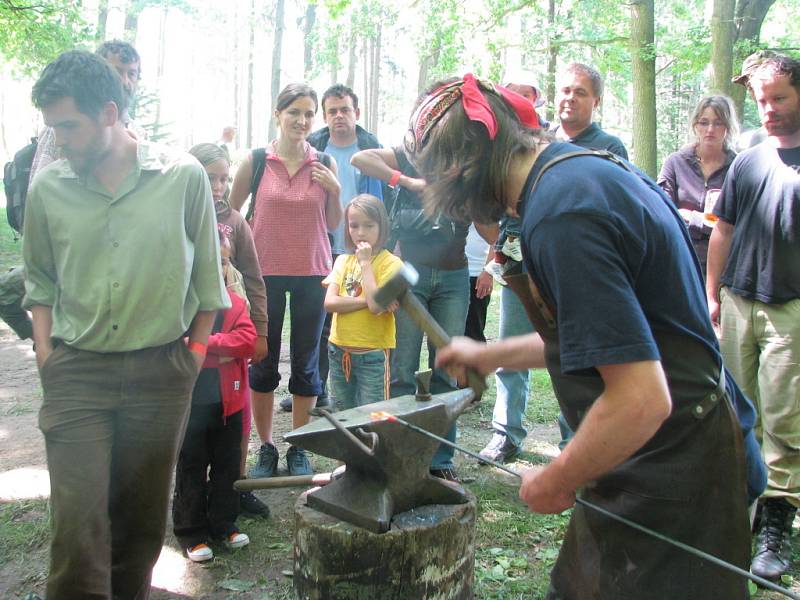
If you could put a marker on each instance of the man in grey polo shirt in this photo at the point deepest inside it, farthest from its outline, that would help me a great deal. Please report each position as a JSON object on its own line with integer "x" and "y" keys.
{"x": 123, "y": 279}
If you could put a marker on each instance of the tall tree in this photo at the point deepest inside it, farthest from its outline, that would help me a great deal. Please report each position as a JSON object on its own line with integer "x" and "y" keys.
{"x": 102, "y": 17}
{"x": 643, "y": 67}
{"x": 750, "y": 16}
{"x": 251, "y": 50}
{"x": 722, "y": 36}
{"x": 277, "y": 49}
{"x": 309, "y": 21}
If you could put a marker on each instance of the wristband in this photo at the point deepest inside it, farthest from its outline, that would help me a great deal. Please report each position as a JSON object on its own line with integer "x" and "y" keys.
{"x": 395, "y": 178}
{"x": 198, "y": 347}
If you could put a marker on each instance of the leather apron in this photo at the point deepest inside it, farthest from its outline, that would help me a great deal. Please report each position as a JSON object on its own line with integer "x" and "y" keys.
{"x": 687, "y": 482}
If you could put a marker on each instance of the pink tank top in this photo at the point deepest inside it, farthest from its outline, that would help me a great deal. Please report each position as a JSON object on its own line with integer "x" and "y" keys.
{"x": 289, "y": 220}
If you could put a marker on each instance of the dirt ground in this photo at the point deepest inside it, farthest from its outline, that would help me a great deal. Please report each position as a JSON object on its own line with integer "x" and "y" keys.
{"x": 23, "y": 478}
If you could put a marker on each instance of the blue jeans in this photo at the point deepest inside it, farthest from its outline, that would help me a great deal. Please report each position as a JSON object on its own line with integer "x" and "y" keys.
{"x": 512, "y": 386}
{"x": 367, "y": 381}
{"x": 446, "y": 296}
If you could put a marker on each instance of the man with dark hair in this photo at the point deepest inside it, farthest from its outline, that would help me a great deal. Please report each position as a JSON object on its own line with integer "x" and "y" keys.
{"x": 753, "y": 291}
{"x": 579, "y": 91}
{"x": 122, "y": 275}
{"x": 125, "y": 60}
{"x": 341, "y": 137}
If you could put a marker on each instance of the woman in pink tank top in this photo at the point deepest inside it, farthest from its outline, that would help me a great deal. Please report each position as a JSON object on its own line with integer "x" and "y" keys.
{"x": 296, "y": 203}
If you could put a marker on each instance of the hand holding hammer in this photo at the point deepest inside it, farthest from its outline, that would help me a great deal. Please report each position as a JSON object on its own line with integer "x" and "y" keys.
{"x": 398, "y": 288}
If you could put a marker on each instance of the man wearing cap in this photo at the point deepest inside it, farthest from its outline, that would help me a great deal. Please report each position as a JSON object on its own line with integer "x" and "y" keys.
{"x": 753, "y": 291}
{"x": 579, "y": 92}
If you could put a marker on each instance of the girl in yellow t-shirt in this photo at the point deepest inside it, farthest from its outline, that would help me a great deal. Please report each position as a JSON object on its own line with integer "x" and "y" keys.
{"x": 361, "y": 331}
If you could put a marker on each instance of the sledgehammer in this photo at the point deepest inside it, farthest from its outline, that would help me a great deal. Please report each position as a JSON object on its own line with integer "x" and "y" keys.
{"x": 398, "y": 288}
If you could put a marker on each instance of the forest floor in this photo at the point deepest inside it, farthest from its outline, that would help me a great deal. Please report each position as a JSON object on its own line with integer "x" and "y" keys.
{"x": 515, "y": 549}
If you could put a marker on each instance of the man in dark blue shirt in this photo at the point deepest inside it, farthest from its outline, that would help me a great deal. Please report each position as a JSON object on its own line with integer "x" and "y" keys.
{"x": 618, "y": 306}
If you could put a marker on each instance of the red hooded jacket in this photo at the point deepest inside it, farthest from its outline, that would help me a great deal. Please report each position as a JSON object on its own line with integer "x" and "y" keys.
{"x": 235, "y": 340}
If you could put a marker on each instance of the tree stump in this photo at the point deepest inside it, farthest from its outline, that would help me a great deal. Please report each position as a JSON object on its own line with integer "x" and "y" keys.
{"x": 428, "y": 553}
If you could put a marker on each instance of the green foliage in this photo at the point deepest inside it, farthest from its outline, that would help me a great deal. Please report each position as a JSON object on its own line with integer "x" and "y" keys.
{"x": 148, "y": 116}
{"x": 33, "y": 34}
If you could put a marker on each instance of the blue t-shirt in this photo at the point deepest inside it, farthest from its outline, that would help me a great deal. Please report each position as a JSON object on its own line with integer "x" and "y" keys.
{"x": 348, "y": 178}
{"x": 609, "y": 251}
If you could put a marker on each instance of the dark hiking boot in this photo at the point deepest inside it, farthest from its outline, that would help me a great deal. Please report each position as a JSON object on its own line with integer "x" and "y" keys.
{"x": 773, "y": 553}
{"x": 251, "y": 506}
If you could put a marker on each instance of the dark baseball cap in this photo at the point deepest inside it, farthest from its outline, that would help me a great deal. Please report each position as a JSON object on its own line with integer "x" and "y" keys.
{"x": 752, "y": 63}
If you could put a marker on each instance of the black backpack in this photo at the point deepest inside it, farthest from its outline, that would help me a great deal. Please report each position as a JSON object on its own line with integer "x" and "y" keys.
{"x": 16, "y": 175}
{"x": 259, "y": 164}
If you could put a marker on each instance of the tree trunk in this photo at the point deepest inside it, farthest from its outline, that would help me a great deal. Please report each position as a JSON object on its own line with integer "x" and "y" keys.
{"x": 102, "y": 16}
{"x": 750, "y": 16}
{"x": 367, "y": 64}
{"x": 643, "y": 68}
{"x": 308, "y": 39}
{"x": 236, "y": 120}
{"x": 162, "y": 43}
{"x": 132, "y": 26}
{"x": 429, "y": 553}
{"x": 277, "y": 48}
{"x": 722, "y": 33}
{"x": 250, "y": 75}
{"x": 351, "y": 63}
{"x": 552, "y": 61}
{"x": 376, "y": 79}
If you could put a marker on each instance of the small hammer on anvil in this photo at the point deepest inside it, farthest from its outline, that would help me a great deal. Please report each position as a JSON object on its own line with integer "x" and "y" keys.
{"x": 398, "y": 288}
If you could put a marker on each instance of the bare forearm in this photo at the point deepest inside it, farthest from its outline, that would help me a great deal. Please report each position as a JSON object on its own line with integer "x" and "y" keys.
{"x": 622, "y": 419}
{"x": 719, "y": 248}
{"x": 345, "y": 304}
{"x": 333, "y": 211}
{"x": 515, "y": 353}
{"x": 370, "y": 286}
{"x": 42, "y": 317}
{"x": 201, "y": 326}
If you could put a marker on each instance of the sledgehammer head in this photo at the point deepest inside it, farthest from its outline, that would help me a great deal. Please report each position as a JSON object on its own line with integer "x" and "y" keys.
{"x": 397, "y": 285}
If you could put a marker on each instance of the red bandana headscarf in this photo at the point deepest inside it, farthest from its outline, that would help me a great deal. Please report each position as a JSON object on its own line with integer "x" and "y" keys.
{"x": 471, "y": 92}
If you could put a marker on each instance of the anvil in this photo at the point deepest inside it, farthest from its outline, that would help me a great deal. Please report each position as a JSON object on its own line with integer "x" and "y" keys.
{"x": 394, "y": 477}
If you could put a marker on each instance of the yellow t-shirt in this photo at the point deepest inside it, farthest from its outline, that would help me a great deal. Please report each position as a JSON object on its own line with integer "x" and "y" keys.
{"x": 362, "y": 329}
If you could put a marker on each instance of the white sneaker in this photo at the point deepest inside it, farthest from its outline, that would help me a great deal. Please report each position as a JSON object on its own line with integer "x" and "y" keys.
{"x": 513, "y": 249}
{"x": 199, "y": 553}
{"x": 496, "y": 271}
{"x": 237, "y": 540}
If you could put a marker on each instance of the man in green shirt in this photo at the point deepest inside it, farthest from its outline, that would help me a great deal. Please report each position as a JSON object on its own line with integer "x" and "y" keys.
{"x": 123, "y": 280}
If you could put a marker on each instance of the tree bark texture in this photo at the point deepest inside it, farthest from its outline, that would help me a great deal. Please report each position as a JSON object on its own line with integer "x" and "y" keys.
{"x": 643, "y": 69}
{"x": 552, "y": 62}
{"x": 102, "y": 16}
{"x": 750, "y": 16}
{"x": 428, "y": 553}
{"x": 308, "y": 39}
{"x": 277, "y": 48}
{"x": 250, "y": 75}
{"x": 722, "y": 34}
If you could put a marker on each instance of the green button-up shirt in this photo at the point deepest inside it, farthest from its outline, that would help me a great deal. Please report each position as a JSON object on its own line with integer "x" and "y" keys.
{"x": 129, "y": 270}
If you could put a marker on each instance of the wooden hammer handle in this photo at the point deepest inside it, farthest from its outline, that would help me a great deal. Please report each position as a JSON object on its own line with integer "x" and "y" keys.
{"x": 437, "y": 336}
{"x": 267, "y": 483}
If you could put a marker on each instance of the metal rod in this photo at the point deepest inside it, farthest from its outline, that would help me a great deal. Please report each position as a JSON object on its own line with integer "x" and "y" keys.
{"x": 321, "y": 412}
{"x": 660, "y": 536}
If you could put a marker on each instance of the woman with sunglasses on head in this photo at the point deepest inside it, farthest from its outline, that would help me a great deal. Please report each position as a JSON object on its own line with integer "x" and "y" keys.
{"x": 295, "y": 202}
{"x": 693, "y": 175}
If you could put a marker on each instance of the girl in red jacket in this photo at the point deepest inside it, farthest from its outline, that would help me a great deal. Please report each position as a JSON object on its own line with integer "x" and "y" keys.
{"x": 205, "y": 505}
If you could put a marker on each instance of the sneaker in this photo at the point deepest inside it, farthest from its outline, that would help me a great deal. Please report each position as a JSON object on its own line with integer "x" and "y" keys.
{"x": 500, "y": 449}
{"x": 495, "y": 269}
{"x": 286, "y": 404}
{"x": 513, "y": 249}
{"x": 251, "y": 506}
{"x": 297, "y": 461}
{"x": 448, "y": 474}
{"x": 267, "y": 465}
{"x": 773, "y": 552}
{"x": 199, "y": 553}
{"x": 236, "y": 540}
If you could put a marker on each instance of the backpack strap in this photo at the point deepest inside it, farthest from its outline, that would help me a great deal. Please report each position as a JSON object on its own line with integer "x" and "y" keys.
{"x": 259, "y": 164}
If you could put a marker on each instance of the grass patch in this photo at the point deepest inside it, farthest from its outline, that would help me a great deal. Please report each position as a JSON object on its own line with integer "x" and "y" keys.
{"x": 24, "y": 528}
{"x": 10, "y": 248}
